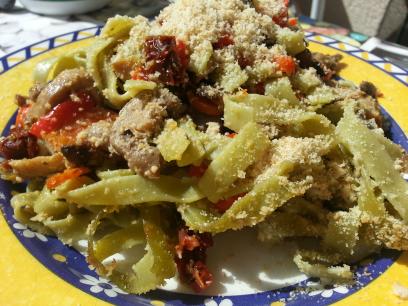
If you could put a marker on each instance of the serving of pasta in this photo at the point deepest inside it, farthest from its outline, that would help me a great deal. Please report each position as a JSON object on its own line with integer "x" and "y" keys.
{"x": 212, "y": 117}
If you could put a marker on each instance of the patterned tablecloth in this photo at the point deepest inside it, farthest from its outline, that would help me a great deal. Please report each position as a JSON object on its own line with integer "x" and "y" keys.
{"x": 20, "y": 27}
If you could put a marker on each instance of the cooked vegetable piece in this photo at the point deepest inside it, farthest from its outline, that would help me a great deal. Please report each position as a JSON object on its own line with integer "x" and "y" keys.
{"x": 60, "y": 178}
{"x": 118, "y": 27}
{"x": 266, "y": 196}
{"x": 367, "y": 201}
{"x": 321, "y": 96}
{"x": 191, "y": 258}
{"x": 133, "y": 87}
{"x": 241, "y": 109}
{"x": 121, "y": 239}
{"x": 154, "y": 267}
{"x": 329, "y": 274}
{"x": 294, "y": 42}
{"x": 23, "y": 206}
{"x": 283, "y": 225}
{"x": 281, "y": 89}
{"x": 48, "y": 69}
{"x": 47, "y": 213}
{"x": 246, "y": 148}
{"x": 342, "y": 232}
{"x": 306, "y": 80}
{"x": 195, "y": 150}
{"x": 371, "y": 154}
{"x": 172, "y": 142}
{"x": 103, "y": 175}
{"x": 96, "y": 61}
{"x": 135, "y": 189}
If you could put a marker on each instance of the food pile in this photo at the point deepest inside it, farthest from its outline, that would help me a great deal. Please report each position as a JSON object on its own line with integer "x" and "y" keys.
{"x": 213, "y": 117}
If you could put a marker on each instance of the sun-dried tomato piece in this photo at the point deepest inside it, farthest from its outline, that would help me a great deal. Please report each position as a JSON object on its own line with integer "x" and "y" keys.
{"x": 186, "y": 242}
{"x": 191, "y": 256}
{"x": 203, "y": 278}
{"x": 225, "y": 40}
{"x": 168, "y": 57}
{"x": 197, "y": 171}
{"x": 189, "y": 240}
{"x": 243, "y": 61}
{"x": 281, "y": 19}
{"x": 19, "y": 144}
{"x": 204, "y": 105}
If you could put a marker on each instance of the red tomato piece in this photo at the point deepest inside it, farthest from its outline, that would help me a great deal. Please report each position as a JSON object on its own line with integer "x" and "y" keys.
{"x": 182, "y": 53}
{"x": 286, "y": 64}
{"x": 292, "y": 22}
{"x": 21, "y": 114}
{"x": 57, "y": 179}
{"x": 62, "y": 114}
{"x": 139, "y": 74}
{"x": 224, "y": 205}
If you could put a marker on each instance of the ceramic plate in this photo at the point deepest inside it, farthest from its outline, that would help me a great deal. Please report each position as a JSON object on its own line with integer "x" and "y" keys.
{"x": 36, "y": 269}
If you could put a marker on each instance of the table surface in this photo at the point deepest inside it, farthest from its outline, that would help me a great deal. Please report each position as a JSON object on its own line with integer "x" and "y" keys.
{"x": 19, "y": 27}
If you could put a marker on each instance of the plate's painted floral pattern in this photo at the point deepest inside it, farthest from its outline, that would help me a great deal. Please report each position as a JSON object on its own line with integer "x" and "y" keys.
{"x": 318, "y": 289}
{"x": 99, "y": 284}
{"x": 27, "y": 233}
{"x": 72, "y": 267}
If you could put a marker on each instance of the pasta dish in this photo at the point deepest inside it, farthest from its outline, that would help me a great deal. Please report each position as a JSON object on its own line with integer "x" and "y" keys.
{"x": 212, "y": 117}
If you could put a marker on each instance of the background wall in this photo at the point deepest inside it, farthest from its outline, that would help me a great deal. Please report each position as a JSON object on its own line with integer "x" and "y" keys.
{"x": 381, "y": 18}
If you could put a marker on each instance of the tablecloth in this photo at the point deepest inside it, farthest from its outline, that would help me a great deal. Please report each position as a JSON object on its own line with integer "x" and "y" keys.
{"x": 19, "y": 27}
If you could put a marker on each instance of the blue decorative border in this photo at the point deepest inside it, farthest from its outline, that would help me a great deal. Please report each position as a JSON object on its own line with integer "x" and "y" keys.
{"x": 397, "y": 72}
{"x": 17, "y": 57}
{"x": 75, "y": 270}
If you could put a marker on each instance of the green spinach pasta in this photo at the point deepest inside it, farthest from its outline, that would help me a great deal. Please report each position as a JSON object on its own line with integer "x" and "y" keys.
{"x": 212, "y": 117}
